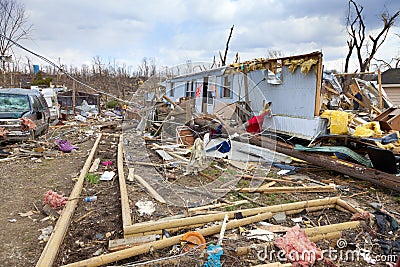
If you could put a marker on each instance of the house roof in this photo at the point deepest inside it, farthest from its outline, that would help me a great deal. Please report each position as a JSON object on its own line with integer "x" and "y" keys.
{"x": 391, "y": 76}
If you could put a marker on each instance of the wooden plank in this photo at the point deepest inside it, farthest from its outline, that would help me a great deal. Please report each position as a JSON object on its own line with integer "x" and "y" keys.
{"x": 317, "y": 108}
{"x": 95, "y": 165}
{"x": 51, "y": 249}
{"x": 118, "y": 244}
{"x": 290, "y": 189}
{"x": 380, "y": 89}
{"x": 158, "y": 225}
{"x": 126, "y": 210}
{"x": 165, "y": 156}
{"x": 149, "y": 189}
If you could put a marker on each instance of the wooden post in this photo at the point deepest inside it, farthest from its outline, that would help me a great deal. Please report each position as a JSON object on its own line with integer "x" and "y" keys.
{"x": 126, "y": 211}
{"x": 73, "y": 96}
{"x": 52, "y": 247}
{"x": 317, "y": 107}
{"x": 163, "y": 243}
{"x": 380, "y": 89}
{"x": 149, "y": 189}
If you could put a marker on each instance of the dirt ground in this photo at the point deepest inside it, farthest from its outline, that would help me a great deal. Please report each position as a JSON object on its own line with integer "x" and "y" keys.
{"x": 24, "y": 182}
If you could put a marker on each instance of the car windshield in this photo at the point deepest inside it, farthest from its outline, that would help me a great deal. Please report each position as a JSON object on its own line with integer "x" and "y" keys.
{"x": 14, "y": 103}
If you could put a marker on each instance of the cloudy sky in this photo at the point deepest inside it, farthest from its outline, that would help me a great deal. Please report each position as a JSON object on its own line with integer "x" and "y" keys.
{"x": 174, "y": 31}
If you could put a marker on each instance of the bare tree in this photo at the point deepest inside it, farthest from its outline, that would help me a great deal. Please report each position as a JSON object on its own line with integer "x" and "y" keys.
{"x": 357, "y": 37}
{"x": 13, "y": 28}
{"x": 223, "y": 59}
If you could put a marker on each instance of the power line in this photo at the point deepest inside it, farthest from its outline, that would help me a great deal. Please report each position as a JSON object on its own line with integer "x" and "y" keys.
{"x": 66, "y": 73}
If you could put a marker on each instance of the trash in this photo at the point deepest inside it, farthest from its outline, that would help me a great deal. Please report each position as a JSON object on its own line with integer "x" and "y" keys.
{"x": 98, "y": 252}
{"x": 46, "y": 232}
{"x": 223, "y": 147}
{"x": 80, "y": 118}
{"x": 280, "y": 217}
{"x": 54, "y": 199}
{"x": 364, "y": 216}
{"x": 65, "y": 145}
{"x": 382, "y": 219}
{"x": 214, "y": 256}
{"x": 90, "y": 199}
{"x": 27, "y": 124}
{"x": 12, "y": 220}
{"x": 145, "y": 207}
{"x": 284, "y": 172}
{"x": 260, "y": 234}
{"x": 107, "y": 176}
{"x": 338, "y": 121}
{"x": 197, "y": 158}
{"x": 193, "y": 240}
{"x": 296, "y": 242}
{"x": 107, "y": 163}
{"x": 297, "y": 220}
{"x": 367, "y": 130}
{"x": 26, "y": 214}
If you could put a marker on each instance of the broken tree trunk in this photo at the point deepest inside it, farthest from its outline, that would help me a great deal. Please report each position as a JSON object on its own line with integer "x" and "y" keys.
{"x": 51, "y": 249}
{"x": 349, "y": 168}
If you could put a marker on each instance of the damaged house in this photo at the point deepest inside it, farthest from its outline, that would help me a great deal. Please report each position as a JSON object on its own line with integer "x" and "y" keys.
{"x": 348, "y": 117}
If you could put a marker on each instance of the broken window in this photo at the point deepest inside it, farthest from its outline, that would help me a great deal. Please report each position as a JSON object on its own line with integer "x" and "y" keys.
{"x": 14, "y": 103}
{"x": 274, "y": 72}
{"x": 226, "y": 89}
{"x": 190, "y": 92}
{"x": 172, "y": 91}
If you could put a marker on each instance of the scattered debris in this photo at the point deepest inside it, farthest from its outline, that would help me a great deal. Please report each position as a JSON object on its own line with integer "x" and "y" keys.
{"x": 145, "y": 207}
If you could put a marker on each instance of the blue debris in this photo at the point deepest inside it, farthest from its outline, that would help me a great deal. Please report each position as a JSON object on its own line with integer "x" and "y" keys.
{"x": 214, "y": 256}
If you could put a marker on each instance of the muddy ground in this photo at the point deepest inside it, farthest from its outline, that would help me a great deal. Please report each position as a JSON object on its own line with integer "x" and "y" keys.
{"x": 25, "y": 179}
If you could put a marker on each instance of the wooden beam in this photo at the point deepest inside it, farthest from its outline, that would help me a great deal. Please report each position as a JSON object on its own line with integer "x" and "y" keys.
{"x": 290, "y": 189}
{"x": 126, "y": 210}
{"x": 164, "y": 243}
{"x": 317, "y": 104}
{"x": 159, "y": 225}
{"x": 380, "y": 89}
{"x": 148, "y": 187}
{"x": 52, "y": 247}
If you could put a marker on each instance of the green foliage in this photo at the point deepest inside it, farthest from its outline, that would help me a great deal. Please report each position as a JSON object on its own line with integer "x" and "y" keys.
{"x": 112, "y": 104}
{"x": 92, "y": 178}
{"x": 39, "y": 80}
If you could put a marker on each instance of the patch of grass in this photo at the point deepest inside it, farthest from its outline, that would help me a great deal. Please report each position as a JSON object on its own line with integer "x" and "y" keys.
{"x": 92, "y": 178}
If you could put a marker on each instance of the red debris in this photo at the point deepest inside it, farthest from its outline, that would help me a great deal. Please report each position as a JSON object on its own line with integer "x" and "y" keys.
{"x": 3, "y": 133}
{"x": 27, "y": 124}
{"x": 361, "y": 216}
{"x": 55, "y": 200}
{"x": 299, "y": 250}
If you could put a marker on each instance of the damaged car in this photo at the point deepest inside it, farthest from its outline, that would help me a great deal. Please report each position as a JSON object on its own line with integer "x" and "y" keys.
{"x": 24, "y": 114}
